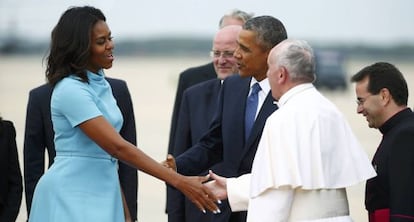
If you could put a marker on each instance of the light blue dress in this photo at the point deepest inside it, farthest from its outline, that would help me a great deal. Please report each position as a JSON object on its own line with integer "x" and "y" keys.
{"x": 82, "y": 184}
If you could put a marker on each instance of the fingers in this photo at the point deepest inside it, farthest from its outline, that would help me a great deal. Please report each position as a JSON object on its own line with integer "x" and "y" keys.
{"x": 213, "y": 197}
{"x": 204, "y": 179}
{"x": 170, "y": 157}
{"x": 208, "y": 201}
{"x": 220, "y": 180}
{"x": 207, "y": 190}
{"x": 200, "y": 195}
{"x": 169, "y": 162}
{"x": 217, "y": 185}
{"x": 208, "y": 187}
{"x": 212, "y": 175}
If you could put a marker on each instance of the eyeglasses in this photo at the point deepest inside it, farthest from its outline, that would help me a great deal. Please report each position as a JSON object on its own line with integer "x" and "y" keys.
{"x": 361, "y": 101}
{"x": 225, "y": 54}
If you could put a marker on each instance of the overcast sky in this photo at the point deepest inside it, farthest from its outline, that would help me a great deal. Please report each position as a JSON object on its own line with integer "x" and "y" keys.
{"x": 385, "y": 22}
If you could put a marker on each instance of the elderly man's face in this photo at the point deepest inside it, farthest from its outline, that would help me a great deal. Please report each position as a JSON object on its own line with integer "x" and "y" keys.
{"x": 273, "y": 74}
{"x": 224, "y": 45}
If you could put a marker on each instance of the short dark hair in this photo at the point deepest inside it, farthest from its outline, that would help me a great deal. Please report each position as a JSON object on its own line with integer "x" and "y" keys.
{"x": 384, "y": 75}
{"x": 269, "y": 30}
{"x": 70, "y": 43}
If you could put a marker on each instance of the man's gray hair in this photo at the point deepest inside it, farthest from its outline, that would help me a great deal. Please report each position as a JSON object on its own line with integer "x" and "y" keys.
{"x": 236, "y": 14}
{"x": 298, "y": 58}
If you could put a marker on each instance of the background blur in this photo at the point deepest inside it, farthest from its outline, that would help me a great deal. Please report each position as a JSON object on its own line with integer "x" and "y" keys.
{"x": 26, "y": 24}
{"x": 156, "y": 40}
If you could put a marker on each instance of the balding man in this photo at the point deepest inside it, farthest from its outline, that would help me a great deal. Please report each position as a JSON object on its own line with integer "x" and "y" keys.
{"x": 194, "y": 75}
{"x": 197, "y": 109}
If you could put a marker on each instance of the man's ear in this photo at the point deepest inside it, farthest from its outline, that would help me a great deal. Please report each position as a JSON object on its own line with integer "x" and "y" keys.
{"x": 386, "y": 96}
{"x": 283, "y": 74}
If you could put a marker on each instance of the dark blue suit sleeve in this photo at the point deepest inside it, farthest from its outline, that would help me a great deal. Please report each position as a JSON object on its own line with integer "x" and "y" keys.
{"x": 174, "y": 118}
{"x": 183, "y": 129}
{"x": 128, "y": 176}
{"x": 34, "y": 146}
{"x": 175, "y": 199}
{"x": 186, "y": 79}
{"x": 206, "y": 152}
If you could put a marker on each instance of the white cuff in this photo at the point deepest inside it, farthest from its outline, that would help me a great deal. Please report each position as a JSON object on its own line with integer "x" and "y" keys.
{"x": 238, "y": 190}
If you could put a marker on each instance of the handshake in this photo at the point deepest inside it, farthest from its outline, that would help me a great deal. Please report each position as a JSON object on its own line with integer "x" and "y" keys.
{"x": 215, "y": 184}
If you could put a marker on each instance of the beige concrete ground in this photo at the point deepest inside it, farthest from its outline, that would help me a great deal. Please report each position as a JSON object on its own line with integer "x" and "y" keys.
{"x": 152, "y": 83}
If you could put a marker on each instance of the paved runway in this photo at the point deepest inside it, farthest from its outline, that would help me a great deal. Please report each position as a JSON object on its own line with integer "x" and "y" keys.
{"x": 152, "y": 83}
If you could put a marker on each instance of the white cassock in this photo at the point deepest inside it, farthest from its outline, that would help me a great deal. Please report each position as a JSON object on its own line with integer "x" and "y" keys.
{"x": 306, "y": 158}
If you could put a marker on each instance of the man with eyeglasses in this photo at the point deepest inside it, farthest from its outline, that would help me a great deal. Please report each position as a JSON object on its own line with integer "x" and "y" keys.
{"x": 194, "y": 75}
{"x": 224, "y": 45}
{"x": 197, "y": 108}
{"x": 198, "y": 74}
{"x": 382, "y": 95}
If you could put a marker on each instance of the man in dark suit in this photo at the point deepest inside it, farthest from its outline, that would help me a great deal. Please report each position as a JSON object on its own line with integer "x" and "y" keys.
{"x": 194, "y": 75}
{"x": 189, "y": 77}
{"x": 197, "y": 109}
{"x": 11, "y": 187}
{"x": 39, "y": 136}
{"x": 226, "y": 140}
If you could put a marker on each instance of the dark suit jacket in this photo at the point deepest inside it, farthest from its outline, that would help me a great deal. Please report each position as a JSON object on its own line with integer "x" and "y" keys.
{"x": 225, "y": 140}
{"x": 188, "y": 78}
{"x": 11, "y": 187}
{"x": 196, "y": 112}
{"x": 39, "y": 136}
{"x": 393, "y": 161}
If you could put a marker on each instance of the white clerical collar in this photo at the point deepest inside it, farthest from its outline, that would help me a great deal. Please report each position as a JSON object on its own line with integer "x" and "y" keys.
{"x": 293, "y": 91}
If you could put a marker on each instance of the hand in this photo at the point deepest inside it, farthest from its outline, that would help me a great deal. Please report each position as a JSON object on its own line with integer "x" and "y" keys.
{"x": 170, "y": 162}
{"x": 193, "y": 188}
{"x": 218, "y": 186}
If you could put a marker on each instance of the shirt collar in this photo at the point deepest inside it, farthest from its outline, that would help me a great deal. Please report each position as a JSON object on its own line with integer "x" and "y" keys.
{"x": 292, "y": 92}
{"x": 395, "y": 120}
{"x": 264, "y": 85}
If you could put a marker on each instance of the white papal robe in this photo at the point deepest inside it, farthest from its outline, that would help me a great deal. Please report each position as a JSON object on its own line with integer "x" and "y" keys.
{"x": 306, "y": 158}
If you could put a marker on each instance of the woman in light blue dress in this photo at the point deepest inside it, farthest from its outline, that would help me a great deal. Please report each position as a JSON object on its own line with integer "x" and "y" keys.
{"x": 82, "y": 184}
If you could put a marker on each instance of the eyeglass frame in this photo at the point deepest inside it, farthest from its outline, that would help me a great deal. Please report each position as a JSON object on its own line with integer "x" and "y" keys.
{"x": 360, "y": 101}
{"x": 225, "y": 54}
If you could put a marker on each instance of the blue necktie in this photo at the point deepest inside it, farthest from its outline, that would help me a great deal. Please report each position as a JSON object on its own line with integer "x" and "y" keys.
{"x": 251, "y": 107}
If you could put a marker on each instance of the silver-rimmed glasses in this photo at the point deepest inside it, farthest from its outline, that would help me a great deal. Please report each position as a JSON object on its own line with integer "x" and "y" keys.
{"x": 224, "y": 54}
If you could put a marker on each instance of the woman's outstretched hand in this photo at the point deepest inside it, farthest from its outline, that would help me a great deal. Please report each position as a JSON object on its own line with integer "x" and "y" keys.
{"x": 217, "y": 185}
{"x": 198, "y": 193}
{"x": 193, "y": 188}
